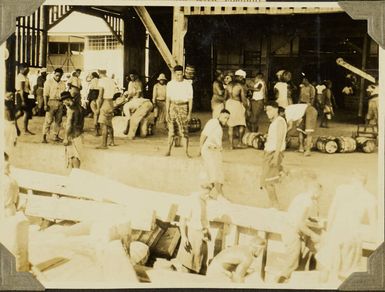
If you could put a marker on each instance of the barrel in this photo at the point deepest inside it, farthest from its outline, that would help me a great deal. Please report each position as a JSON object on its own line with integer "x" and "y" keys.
{"x": 245, "y": 138}
{"x": 251, "y": 138}
{"x": 248, "y": 138}
{"x": 189, "y": 72}
{"x": 259, "y": 142}
{"x": 346, "y": 144}
{"x": 366, "y": 144}
{"x": 327, "y": 145}
{"x": 194, "y": 125}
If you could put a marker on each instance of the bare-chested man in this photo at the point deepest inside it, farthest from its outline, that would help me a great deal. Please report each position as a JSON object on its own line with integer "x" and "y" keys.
{"x": 235, "y": 263}
{"x": 237, "y": 104}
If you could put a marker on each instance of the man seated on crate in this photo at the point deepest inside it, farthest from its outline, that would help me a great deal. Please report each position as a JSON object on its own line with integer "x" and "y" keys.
{"x": 138, "y": 112}
{"x": 235, "y": 263}
{"x": 303, "y": 117}
{"x": 296, "y": 227}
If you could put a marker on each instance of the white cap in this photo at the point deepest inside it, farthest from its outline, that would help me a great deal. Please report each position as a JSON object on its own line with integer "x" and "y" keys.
{"x": 240, "y": 72}
{"x": 43, "y": 70}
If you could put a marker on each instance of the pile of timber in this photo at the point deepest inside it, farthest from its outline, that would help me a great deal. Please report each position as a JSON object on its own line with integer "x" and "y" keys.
{"x": 107, "y": 215}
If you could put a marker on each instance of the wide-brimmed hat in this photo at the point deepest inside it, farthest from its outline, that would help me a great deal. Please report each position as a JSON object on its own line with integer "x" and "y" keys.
{"x": 162, "y": 77}
{"x": 65, "y": 95}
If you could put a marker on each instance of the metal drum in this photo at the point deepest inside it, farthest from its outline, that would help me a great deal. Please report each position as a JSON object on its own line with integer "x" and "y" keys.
{"x": 194, "y": 125}
{"x": 327, "y": 145}
{"x": 346, "y": 144}
{"x": 251, "y": 138}
{"x": 259, "y": 142}
{"x": 366, "y": 144}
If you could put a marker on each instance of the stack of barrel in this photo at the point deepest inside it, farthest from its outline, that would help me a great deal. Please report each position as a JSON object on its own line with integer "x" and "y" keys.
{"x": 330, "y": 145}
{"x": 255, "y": 140}
{"x": 194, "y": 125}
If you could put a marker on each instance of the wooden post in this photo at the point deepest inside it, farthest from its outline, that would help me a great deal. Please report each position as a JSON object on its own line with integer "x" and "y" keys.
{"x": 179, "y": 31}
{"x": 125, "y": 50}
{"x": 362, "y": 83}
{"x": 44, "y": 46}
{"x": 268, "y": 51}
{"x": 10, "y": 63}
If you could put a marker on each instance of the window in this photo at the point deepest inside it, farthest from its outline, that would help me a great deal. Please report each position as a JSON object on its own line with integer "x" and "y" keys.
{"x": 106, "y": 42}
{"x": 60, "y": 48}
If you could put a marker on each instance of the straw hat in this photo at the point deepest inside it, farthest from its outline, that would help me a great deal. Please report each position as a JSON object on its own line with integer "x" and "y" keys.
{"x": 162, "y": 77}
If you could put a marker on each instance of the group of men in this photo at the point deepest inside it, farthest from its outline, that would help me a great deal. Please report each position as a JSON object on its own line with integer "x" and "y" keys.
{"x": 338, "y": 251}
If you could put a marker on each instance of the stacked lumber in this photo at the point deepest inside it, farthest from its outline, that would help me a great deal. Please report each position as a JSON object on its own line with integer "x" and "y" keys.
{"x": 108, "y": 211}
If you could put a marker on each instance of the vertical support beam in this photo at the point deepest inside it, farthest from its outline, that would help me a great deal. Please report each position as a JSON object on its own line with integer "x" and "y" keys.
{"x": 126, "y": 54}
{"x": 362, "y": 83}
{"x": 268, "y": 54}
{"x": 134, "y": 43}
{"x": 44, "y": 46}
{"x": 179, "y": 30}
{"x": 10, "y": 63}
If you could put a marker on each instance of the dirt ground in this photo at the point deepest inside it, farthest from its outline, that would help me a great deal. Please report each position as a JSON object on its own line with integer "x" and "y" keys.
{"x": 332, "y": 168}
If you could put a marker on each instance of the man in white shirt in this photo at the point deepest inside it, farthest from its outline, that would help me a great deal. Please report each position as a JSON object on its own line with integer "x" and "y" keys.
{"x": 105, "y": 108}
{"x": 303, "y": 116}
{"x": 281, "y": 91}
{"x": 178, "y": 108}
{"x": 257, "y": 101}
{"x": 274, "y": 147}
{"x": 136, "y": 110}
{"x": 211, "y": 150}
{"x": 53, "y": 107}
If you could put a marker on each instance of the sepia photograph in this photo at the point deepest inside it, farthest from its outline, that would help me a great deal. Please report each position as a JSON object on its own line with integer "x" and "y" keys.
{"x": 190, "y": 144}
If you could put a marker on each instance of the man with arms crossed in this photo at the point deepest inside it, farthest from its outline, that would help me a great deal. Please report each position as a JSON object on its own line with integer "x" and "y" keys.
{"x": 178, "y": 108}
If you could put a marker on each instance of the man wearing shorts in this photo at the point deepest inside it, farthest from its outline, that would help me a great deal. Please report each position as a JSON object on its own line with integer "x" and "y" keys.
{"x": 73, "y": 130}
{"x": 274, "y": 147}
{"x": 303, "y": 116}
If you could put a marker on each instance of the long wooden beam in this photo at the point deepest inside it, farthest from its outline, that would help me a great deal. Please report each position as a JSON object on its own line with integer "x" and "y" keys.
{"x": 155, "y": 36}
{"x": 61, "y": 18}
{"x": 179, "y": 31}
{"x": 228, "y": 10}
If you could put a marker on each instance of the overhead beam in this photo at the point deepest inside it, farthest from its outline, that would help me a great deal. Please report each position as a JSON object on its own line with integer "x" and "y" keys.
{"x": 116, "y": 35}
{"x": 156, "y": 36}
{"x": 228, "y": 10}
{"x": 61, "y": 18}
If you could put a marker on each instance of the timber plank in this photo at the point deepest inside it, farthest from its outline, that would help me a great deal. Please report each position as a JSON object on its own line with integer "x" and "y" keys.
{"x": 82, "y": 210}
